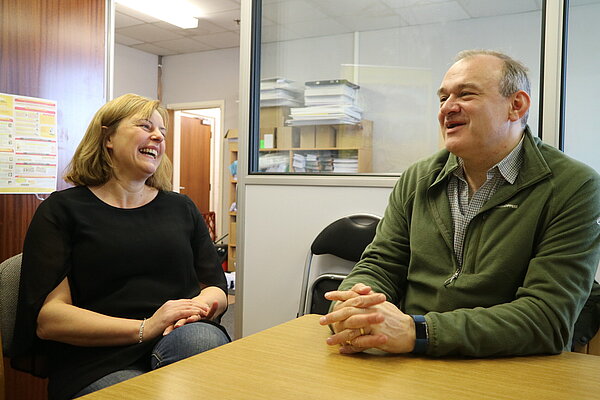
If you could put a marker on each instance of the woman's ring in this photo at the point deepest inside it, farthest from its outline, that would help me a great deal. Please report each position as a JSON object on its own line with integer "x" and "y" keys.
{"x": 362, "y": 331}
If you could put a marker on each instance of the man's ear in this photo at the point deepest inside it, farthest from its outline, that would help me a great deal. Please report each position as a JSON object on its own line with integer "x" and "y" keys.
{"x": 519, "y": 105}
{"x": 108, "y": 139}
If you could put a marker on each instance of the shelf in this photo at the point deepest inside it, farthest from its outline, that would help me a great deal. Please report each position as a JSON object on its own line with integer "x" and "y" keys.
{"x": 314, "y": 149}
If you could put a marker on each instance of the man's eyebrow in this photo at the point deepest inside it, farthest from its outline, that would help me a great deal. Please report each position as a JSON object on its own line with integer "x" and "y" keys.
{"x": 462, "y": 86}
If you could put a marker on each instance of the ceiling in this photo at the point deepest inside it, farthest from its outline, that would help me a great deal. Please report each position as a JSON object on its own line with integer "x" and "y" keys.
{"x": 282, "y": 20}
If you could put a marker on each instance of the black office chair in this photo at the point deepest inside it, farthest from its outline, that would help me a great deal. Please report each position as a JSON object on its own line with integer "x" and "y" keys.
{"x": 331, "y": 257}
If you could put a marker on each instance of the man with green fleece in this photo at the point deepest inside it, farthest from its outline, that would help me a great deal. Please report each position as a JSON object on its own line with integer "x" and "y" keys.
{"x": 486, "y": 248}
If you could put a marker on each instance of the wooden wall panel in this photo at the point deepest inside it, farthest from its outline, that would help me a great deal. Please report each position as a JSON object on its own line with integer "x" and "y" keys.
{"x": 51, "y": 49}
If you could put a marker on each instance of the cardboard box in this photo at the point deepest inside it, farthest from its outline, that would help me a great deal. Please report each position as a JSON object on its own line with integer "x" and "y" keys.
{"x": 355, "y": 136}
{"x": 267, "y": 138}
{"x": 307, "y": 137}
{"x": 232, "y": 233}
{"x": 324, "y": 136}
{"x": 231, "y": 133}
{"x": 287, "y": 137}
{"x": 273, "y": 117}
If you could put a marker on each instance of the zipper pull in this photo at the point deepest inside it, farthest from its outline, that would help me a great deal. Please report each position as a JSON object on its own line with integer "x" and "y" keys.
{"x": 452, "y": 278}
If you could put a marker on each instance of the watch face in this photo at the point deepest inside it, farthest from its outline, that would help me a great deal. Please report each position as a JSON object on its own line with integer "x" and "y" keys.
{"x": 421, "y": 330}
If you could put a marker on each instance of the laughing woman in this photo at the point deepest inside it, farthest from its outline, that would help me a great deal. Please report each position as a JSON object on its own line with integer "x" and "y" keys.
{"x": 119, "y": 274}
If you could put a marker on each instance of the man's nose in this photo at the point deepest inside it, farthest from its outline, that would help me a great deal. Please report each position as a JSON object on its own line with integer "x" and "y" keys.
{"x": 450, "y": 105}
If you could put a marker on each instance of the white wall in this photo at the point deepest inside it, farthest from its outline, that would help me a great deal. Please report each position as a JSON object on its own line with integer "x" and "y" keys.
{"x": 281, "y": 223}
{"x": 135, "y": 71}
{"x": 207, "y": 76}
{"x": 583, "y": 85}
{"x": 204, "y": 76}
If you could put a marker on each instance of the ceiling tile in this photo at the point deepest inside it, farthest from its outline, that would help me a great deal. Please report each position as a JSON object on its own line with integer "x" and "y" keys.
{"x": 372, "y": 23}
{"x": 133, "y": 13}
{"x": 150, "y": 48}
{"x": 213, "y": 6}
{"x": 225, "y": 19}
{"x": 123, "y": 20}
{"x": 357, "y": 8}
{"x": 409, "y": 3}
{"x": 322, "y": 27}
{"x": 221, "y": 40}
{"x": 266, "y": 22}
{"x": 583, "y": 2}
{"x": 127, "y": 41}
{"x": 489, "y": 8}
{"x": 292, "y": 11}
{"x": 277, "y": 33}
{"x": 148, "y": 33}
{"x": 432, "y": 13}
{"x": 184, "y": 45}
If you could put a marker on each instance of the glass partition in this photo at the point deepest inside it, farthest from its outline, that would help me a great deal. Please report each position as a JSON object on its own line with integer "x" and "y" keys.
{"x": 349, "y": 86}
{"x": 580, "y": 137}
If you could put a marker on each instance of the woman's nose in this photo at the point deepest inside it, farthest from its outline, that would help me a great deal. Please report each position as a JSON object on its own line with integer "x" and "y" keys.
{"x": 157, "y": 136}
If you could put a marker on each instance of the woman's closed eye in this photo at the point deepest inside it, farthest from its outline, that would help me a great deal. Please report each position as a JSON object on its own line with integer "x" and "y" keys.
{"x": 145, "y": 125}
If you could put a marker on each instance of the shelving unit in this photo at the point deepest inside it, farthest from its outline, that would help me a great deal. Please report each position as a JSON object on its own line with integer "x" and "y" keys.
{"x": 232, "y": 141}
{"x": 352, "y": 141}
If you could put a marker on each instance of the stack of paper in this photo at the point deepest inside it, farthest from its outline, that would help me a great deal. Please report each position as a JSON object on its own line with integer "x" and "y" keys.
{"x": 275, "y": 162}
{"x": 299, "y": 163}
{"x": 325, "y": 115}
{"x": 345, "y": 165}
{"x": 327, "y": 102}
{"x": 338, "y": 91}
{"x": 279, "y": 91}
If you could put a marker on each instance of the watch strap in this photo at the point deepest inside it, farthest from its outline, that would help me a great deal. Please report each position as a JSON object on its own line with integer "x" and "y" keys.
{"x": 422, "y": 335}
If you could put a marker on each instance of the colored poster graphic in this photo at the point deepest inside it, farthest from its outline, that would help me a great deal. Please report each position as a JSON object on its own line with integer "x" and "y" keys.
{"x": 28, "y": 144}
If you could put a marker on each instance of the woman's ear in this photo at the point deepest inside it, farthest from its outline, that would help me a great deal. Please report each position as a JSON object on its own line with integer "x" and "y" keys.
{"x": 519, "y": 105}
{"x": 108, "y": 137}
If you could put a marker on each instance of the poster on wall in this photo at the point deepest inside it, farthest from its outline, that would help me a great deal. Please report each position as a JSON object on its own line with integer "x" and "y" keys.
{"x": 28, "y": 144}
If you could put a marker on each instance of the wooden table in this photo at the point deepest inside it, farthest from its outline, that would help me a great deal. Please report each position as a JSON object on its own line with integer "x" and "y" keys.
{"x": 292, "y": 361}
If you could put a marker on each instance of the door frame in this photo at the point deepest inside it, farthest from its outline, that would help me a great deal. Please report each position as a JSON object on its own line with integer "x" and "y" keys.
{"x": 216, "y": 150}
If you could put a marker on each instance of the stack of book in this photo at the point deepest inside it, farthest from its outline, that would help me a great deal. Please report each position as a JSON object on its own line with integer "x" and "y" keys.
{"x": 308, "y": 162}
{"x": 325, "y": 160}
{"x": 279, "y": 91}
{"x": 327, "y": 102}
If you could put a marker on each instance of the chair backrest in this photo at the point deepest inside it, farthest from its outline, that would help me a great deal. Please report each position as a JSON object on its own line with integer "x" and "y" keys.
{"x": 10, "y": 274}
{"x": 2, "y": 380}
{"x": 332, "y": 256}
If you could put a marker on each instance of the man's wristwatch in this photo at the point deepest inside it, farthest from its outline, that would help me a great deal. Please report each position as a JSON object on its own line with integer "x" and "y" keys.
{"x": 422, "y": 339}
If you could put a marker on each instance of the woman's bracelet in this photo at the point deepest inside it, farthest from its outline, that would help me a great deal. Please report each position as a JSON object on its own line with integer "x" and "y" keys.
{"x": 141, "y": 332}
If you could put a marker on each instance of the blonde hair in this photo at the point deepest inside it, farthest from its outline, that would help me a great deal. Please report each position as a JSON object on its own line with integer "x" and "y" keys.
{"x": 92, "y": 165}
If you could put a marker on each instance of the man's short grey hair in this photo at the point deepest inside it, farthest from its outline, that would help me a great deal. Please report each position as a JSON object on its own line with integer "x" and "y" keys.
{"x": 514, "y": 74}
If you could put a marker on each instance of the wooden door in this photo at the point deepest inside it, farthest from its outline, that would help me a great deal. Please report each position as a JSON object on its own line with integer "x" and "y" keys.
{"x": 195, "y": 162}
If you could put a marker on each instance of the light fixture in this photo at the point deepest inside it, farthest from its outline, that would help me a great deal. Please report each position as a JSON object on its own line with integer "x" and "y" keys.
{"x": 176, "y": 12}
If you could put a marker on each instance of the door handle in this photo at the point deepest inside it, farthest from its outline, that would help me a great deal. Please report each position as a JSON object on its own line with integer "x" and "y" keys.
{"x": 181, "y": 187}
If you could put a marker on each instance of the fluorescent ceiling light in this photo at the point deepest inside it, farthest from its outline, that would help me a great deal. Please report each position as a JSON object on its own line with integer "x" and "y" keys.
{"x": 175, "y": 12}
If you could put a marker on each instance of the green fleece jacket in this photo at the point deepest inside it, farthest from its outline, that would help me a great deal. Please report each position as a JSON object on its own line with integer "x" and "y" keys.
{"x": 530, "y": 256}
